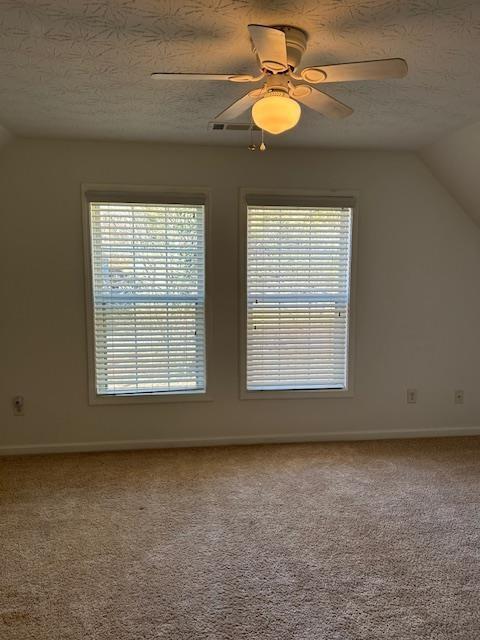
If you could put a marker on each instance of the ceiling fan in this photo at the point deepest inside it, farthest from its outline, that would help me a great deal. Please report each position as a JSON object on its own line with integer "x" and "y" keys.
{"x": 275, "y": 105}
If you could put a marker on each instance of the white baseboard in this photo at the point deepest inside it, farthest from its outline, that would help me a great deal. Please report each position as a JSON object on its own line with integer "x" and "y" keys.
{"x": 328, "y": 436}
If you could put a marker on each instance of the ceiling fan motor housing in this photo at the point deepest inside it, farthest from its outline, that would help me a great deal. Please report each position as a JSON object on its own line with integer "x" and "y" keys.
{"x": 296, "y": 44}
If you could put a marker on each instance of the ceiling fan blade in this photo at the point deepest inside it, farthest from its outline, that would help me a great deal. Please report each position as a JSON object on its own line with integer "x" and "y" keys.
{"x": 270, "y": 46}
{"x": 351, "y": 71}
{"x": 207, "y": 76}
{"x": 321, "y": 102}
{"x": 239, "y": 106}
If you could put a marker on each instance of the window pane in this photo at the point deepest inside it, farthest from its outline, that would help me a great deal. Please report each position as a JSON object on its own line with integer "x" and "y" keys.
{"x": 298, "y": 278}
{"x": 149, "y": 297}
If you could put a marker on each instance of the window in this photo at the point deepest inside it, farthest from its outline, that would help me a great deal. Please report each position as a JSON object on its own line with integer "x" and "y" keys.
{"x": 148, "y": 290}
{"x": 298, "y": 262}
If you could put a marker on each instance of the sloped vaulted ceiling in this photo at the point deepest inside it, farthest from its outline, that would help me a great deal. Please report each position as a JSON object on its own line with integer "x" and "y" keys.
{"x": 80, "y": 68}
{"x": 455, "y": 161}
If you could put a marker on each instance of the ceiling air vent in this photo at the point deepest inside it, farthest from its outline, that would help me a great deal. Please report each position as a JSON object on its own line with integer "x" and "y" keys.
{"x": 232, "y": 126}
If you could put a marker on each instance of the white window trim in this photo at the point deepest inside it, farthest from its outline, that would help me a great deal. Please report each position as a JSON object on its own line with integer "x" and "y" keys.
{"x": 304, "y": 194}
{"x": 142, "y": 193}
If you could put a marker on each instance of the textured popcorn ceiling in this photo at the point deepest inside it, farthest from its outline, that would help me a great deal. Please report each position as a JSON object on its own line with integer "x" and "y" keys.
{"x": 80, "y": 68}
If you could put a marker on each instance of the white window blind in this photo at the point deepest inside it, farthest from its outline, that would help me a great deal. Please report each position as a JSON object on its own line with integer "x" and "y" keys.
{"x": 298, "y": 284}
{"x": 148, "y": 297}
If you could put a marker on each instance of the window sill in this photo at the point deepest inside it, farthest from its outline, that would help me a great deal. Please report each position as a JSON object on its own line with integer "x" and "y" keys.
{"x": 151, "y": 398}
{"x": 315, "y": 394}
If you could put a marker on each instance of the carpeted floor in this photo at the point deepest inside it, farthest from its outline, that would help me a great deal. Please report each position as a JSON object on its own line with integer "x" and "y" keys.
{"x": 334, "y": 541}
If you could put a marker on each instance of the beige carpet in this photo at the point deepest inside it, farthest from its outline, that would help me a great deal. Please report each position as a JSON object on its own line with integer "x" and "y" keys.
{"x": 344, "y": 541}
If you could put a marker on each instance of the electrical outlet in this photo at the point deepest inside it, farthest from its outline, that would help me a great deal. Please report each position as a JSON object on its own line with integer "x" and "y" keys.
{"x": 18, "y": 405}
{"x": 458, "y": 397}
{"x": 411, "y": 396}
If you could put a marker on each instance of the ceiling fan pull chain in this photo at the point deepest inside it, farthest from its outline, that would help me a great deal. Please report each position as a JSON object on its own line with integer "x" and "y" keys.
{"x": 262, "y": 146}
{"x": 251, "y": 146}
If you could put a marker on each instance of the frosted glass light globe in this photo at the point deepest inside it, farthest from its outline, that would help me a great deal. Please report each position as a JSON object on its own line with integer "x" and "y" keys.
{"x": 276, "y": 113}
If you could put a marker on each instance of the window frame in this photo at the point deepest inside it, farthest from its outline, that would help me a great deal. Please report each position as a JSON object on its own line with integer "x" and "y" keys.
{"x": 142, "y": 194}
{"x": 296, "y": 197}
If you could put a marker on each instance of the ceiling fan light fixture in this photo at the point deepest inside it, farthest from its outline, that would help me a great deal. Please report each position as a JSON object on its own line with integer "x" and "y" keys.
{"x": 276, "y": 112}
{"x": 275, "y": 106}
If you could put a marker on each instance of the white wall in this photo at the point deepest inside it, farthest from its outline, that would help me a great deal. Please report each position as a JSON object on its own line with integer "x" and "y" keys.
{"x": 455, "y": 161}
{"x": 5, "y": 136}
{"x": 418, "y": 307}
